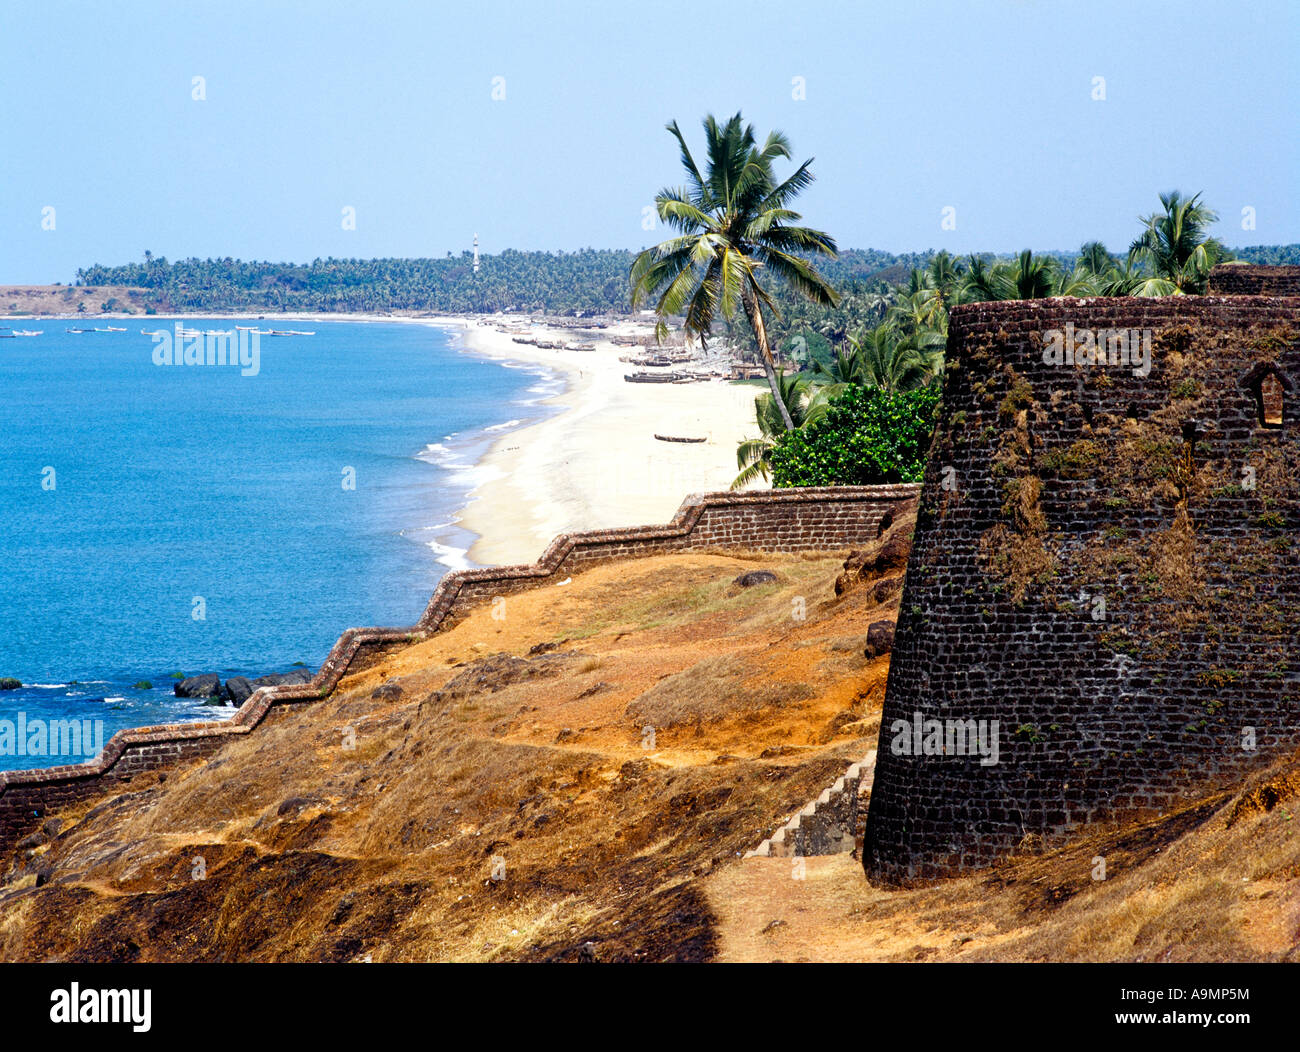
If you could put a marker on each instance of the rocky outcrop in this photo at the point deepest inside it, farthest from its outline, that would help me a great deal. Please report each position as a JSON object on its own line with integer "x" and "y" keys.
{"x": 237, "y": 690}
{"x": 283, "y": 679}
{"x": 208, "y": 685}
{"x": 880, "y": 638}
{"x": 885, "y": 557}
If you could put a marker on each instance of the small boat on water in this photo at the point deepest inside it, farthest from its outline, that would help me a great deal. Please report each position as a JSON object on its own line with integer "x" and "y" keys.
{"x": 286, "y": 332}
{"x": 8, "y": 336}
{"x": 216, "y": 332}
{"x": 151, "y": 332}
{"x": 114, "y": 329}
{"x": 28, "y": 332}
{"x": 246, "y": 328}
{"x": 78, "y": 330}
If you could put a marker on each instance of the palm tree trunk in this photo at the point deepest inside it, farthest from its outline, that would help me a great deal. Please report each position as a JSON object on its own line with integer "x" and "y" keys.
{"x": 755, "y": 313}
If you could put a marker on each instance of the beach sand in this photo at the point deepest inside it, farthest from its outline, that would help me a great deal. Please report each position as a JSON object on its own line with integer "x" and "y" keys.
{"x": 597, "y": 464}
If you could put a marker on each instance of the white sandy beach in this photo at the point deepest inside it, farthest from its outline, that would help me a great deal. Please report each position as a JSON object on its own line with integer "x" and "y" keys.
{"x": 597, "y": 463}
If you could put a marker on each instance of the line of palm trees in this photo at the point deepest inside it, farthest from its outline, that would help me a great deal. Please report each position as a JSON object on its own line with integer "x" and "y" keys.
{"x": 734, "y": 228}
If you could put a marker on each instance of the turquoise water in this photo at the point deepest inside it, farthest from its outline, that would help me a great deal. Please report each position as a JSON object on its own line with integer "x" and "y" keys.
{"x": 189, "y": 518}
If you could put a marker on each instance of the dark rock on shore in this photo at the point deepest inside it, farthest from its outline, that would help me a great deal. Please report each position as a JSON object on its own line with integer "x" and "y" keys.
{"x": 207, "y": 685}
{"x": 9, "y": 683}
{"x": 238, "y": 690}
{"x": 284, "y": 679}
{"x": 753, "y": 577}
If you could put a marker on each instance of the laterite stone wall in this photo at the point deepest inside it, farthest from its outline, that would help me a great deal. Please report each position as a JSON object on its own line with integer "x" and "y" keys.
{"x": 1244, "y": 279}
{"x": 1105, "y": 563}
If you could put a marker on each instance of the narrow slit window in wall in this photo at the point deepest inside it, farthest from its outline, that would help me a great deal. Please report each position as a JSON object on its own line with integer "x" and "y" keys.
{"x": 1271, "y": 400}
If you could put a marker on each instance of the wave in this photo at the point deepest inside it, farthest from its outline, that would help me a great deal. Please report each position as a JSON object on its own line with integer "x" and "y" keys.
{"x": 451, "y": 557}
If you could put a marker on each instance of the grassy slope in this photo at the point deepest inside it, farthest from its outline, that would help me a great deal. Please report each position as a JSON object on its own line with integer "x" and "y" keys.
{"x": 535, "y": 764}
{"x": 314, "y": 851}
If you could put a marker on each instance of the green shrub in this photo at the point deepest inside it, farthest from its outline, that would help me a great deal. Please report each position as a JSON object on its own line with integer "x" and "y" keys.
{"x": 9, "y": 683}
{"x": 867, "y": 437}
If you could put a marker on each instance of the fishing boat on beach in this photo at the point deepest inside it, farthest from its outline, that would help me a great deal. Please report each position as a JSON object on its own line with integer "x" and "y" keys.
{"x": 650, "y": 378}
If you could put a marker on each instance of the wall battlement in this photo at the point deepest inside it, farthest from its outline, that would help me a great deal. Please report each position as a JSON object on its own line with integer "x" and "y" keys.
{"x": 771, "y": 520}
{"x": 1105, "y": 563}
{"x": 1248, "y": 279}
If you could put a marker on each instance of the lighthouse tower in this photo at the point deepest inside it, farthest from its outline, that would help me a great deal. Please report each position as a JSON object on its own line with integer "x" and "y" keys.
{"x": 475, "y": 253}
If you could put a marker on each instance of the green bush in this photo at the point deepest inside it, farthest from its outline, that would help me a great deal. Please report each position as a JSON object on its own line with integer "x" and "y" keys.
{"x": 867, "y": 437}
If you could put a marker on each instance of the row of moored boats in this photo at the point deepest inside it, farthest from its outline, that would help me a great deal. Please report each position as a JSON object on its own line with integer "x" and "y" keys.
{"x": 10, "y": 334}
{"x": 192, "y": 332}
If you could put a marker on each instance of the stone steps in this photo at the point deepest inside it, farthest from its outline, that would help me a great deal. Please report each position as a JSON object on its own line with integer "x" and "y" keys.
{"x": 828, "y": 825}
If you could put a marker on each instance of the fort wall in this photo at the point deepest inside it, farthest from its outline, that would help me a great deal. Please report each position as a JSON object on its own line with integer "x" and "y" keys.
{"x": 1106, "y": 567}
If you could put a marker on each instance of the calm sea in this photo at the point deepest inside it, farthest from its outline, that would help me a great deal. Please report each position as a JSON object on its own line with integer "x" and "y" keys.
{"x": 164, "y": 520}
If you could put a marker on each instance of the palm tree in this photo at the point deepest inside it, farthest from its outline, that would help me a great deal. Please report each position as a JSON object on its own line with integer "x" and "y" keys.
{"x": 1094, "y": 258}
{"x": 733, "y": 220}
{"x": 845, "y": 367}
{"x": 1030, "y": 278}
{"x": 1027, "y": 277}
{"x": 801, "y": 405}
{"x": 894, "y": 362}
{"x": 1177, "y": 247}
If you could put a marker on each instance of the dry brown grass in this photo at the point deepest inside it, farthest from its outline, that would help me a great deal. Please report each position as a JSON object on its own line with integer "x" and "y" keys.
{"x": 494, "y": 761}
{"x": 534, "y": 769}
{"x": 1194, "y": 885}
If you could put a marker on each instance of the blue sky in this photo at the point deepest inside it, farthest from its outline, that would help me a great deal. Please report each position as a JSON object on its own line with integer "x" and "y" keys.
{"x": 984, "y": 107}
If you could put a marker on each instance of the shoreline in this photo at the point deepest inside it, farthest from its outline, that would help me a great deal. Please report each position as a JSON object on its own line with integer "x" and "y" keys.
{"x": 591, "y": 461}
{"x": 595, "y": 463}
{"x": 576, "y": 458}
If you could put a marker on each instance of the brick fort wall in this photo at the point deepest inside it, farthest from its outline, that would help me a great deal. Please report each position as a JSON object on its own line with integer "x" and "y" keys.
{"x": 1105, "y": 563}
{"x": 1247, "y": 279}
